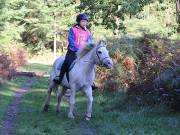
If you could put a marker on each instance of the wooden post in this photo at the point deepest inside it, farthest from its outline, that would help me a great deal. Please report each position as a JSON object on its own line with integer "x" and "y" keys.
{"x": 55, "y": 38}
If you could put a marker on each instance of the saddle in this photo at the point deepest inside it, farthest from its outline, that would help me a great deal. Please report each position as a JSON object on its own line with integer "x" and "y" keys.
{"x": 69, "y": 69}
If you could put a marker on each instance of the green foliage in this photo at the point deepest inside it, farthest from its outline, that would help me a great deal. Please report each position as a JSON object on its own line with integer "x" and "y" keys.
{"x": 10, "y": 29}
{"x": 39, "y": 19}
{"x": 2, "y": 18}
{"x": 44, "y": 19}
{"x": 111, "y": 13}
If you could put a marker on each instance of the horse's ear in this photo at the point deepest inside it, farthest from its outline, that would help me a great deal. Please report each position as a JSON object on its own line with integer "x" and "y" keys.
{"x": 92, "y": 44}
{"x": 102, "y": 42}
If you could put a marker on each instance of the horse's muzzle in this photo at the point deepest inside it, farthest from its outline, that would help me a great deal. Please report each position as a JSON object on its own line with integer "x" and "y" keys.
{"x": 108, "y": 64}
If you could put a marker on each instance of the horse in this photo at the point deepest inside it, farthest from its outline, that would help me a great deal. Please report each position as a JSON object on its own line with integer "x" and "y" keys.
{"x": 81, "y": 76}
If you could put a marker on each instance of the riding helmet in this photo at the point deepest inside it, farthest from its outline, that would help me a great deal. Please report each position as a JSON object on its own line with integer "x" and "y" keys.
{"x": 82, "y": 16}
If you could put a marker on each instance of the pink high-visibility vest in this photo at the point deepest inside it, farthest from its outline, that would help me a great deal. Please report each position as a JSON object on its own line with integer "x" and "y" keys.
{"x": 80, "y": 36}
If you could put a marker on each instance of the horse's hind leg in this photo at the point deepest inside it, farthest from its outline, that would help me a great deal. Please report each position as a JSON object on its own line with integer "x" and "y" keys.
{"x": 60, "y": 95}
{"x": 50, "y": 88}
{"x": 72, "y": 102}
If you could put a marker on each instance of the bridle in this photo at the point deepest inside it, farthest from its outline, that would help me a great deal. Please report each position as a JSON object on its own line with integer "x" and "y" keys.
{"x": 101, "y": 60}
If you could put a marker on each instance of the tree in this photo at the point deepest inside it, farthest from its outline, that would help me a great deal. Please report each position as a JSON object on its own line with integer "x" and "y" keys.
{"x": 111, "y": 13}
{"x": 34, "y": 21}
{"x": 44, "y": 19}
{"x": 2, "y": 18}
{"x": 9, "y": 22}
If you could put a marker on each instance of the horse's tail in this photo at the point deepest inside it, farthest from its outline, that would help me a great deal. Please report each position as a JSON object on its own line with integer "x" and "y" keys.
{"x": 56, "y": 67}
{"x": 56, "y": 71}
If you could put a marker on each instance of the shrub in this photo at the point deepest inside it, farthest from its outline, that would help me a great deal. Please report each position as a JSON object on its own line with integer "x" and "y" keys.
{"x": 149, "y": 71}
{"x": 10, "y": 62}
{"x": 158, "y": 70}
{"x": 124, "y": 72}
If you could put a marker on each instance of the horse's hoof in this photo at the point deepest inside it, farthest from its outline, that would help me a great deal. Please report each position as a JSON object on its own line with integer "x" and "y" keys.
{"x": 75, "y": 111}
{"x": 71, "y": 116}
{"x": 87, "y": 118}
{"x": 45, "y": 109}
{"x": 57, "y": 112}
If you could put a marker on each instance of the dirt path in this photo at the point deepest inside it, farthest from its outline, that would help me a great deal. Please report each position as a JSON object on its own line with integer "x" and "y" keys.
{"x": 13, "y": 108}
{"x": 86, "y": 130}
{"x": 8, "y": 124}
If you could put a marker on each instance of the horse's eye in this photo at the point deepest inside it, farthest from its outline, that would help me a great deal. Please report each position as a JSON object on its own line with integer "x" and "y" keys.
{"x": 99, "y": 52}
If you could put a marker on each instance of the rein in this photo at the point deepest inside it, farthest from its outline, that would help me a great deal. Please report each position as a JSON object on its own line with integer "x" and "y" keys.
{"x": 101, "y": 60}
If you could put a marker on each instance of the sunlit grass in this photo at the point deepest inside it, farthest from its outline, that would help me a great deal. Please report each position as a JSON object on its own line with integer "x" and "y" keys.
{"x": 129, "y": 118}
{"x": 36, "y": 67}
{"x": 7, "y": 92}
{"x": 45, "y": 57}
{"x": 31, "y": 119}
{"x": 124, "y": 119}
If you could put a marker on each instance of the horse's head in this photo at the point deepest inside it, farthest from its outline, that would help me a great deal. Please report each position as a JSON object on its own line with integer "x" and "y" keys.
{"x": 102, "y": 55}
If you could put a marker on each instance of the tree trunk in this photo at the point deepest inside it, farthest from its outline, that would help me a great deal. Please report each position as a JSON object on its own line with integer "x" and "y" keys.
{"x": 55, "y": 36}
{"x": 178, "y": 14}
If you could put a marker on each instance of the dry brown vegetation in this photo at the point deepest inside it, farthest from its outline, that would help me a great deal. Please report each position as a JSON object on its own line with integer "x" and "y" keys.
{"x": 151, "y": 75}
{"x": 10, "y": 62}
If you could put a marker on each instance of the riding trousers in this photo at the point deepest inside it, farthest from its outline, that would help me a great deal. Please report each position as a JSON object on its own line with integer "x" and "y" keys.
{"x": 69, "y": 58}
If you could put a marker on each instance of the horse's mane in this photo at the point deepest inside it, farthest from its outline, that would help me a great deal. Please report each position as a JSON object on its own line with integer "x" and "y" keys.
{"x": 83, "y": 51}
{"x": 88, "y": 47}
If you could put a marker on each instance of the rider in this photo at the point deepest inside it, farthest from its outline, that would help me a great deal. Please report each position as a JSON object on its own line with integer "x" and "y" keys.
{"x": 77, "y": 37}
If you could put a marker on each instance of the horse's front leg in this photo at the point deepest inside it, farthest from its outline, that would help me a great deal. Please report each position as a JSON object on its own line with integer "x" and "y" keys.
{"x": 72, "y": 102}
{"x": 88, "y": 91}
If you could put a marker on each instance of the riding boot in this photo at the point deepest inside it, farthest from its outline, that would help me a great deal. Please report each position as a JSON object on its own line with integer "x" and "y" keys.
{"x": 58, "y": 79}
{"x": 70, "y": 57}
{"x": 94, "y": 86}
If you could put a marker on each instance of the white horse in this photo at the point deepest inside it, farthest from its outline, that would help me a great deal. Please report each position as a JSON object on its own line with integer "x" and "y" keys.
{"x": 81, "y": 76}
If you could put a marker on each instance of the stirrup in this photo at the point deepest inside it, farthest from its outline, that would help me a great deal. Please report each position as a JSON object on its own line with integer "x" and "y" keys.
{"x": 94, "y": 86}
{"x": 57, "y": 80}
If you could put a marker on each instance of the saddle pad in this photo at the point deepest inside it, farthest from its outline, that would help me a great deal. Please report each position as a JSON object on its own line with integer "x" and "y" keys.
{"x": 71, "y": 66}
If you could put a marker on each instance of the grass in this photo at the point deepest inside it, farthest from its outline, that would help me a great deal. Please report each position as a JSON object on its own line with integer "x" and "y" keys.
{"x": 126, "y": 119}
{"x": 129, "y": 118}
{"x": 31, "y": 119}
{"x": 7, "y": 91}
{"x": 36, "y": 67}
{"x": 44, "y": 57}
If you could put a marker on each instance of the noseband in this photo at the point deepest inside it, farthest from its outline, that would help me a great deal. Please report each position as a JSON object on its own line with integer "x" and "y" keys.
{"x": 101, "y": 60}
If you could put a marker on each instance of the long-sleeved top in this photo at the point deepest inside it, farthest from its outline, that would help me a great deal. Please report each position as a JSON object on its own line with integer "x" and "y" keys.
{"x": 78, "y": 37}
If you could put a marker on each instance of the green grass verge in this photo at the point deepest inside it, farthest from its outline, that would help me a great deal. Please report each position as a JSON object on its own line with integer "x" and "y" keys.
{"x": 130, "y": 119}
{"x": 32, "y": 121}
{"x": 36, "y": 67}
{"x": 126, "y": 119}
{"x": 7, "y": 92}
